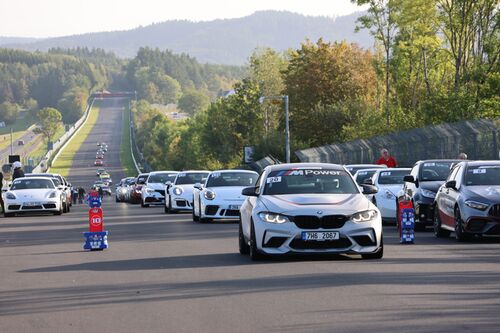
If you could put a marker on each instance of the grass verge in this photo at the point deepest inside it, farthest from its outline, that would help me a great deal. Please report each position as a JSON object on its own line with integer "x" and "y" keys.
{"x": 65, "y": 160}
{"x": 125, "y": 153}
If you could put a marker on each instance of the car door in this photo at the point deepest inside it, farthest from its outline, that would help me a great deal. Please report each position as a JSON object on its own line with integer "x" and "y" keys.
{"x": 410, "y": 188}
{"x": 446, "y": 200}
{"x": 248, "y": 206}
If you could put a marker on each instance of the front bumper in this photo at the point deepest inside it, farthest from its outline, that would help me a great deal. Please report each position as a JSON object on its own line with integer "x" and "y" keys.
{"x": 181, "y": 203}
{"x": 354, "y": 238}
{"x": 12, "y": 206}
{"x": 154, "y": 198}
{"x": 483, "y": 225}
{"x": 424, "y": 213}
{"x": 221, "y": 210}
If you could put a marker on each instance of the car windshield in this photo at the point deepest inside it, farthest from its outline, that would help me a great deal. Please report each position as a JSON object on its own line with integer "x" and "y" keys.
{"x": 353, "y": 169}
{"x": 393, "y": 177}
{"x": 186, "y": 178}
{"x": 362, "y": 176}
{"x": 130, "y": 181}
{"x": 303, "y": 181}
{"x": 25, "y": 184}
{"x": 55, "y": 180}
{"x": 483, "y": 175}
{"x": 142, "y": 179}
{"x": 162, "y": 178}
{"x": 435, "y": 171}
{"x": 218, "y": 179}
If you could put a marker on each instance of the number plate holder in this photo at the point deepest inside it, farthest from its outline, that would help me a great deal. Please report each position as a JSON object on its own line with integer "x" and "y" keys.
{"x": 320, "y": 235}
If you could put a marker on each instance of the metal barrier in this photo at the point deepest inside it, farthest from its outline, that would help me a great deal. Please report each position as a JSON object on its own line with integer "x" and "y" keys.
{"x": 479, "y": 139}
{"x": 262, "y": 163}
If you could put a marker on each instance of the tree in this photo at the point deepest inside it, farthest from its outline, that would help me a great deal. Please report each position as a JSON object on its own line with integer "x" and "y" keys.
{"x": 380, "y": 20}
{"x": 193, "y": 102}
{"x": 72, "y": 105}
{"x": 9, "y": 112}
{"x": 49, "y": 122}
{"x": 322, "y": 79}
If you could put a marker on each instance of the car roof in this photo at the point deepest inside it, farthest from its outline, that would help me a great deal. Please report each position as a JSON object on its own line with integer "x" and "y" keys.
{"x": 34, "y": 177}
{"x": 481, "y": 163}
{"x": 392, "y": 169}
{"x": 156, "y": 172}
{"x": 439, "y": 160}
{"x": 377, "y": 166}
{"x": 195, "y": 171}
{"x": 234, "y": 170}
{"x": 369, "y": 169}
{"x": 143, "y": 174}
{"x": 288, "y": 166}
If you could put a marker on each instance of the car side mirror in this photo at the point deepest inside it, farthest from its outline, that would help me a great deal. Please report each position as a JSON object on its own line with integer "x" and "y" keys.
{"x": 451, "y": 184}
{"x": 369, "y": 189}
{"x": 250, "y": 191}
{"x": 368, "y": 181}
{"x": 198, "y": 186}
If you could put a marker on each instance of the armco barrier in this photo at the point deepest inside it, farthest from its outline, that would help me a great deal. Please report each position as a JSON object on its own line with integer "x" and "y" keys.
{"x": 479, "y": 139}
{"x": 59, "y": 145}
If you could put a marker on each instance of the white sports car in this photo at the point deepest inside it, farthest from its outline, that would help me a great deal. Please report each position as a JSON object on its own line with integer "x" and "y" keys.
{"x": 33, "y": 194}
{"x": 309, "y": 208}
{"x": 389, "y": 182}
{"x": 153, "y": 191}
{"x": 220, "y": 197}
{"x": 179, "y": 193}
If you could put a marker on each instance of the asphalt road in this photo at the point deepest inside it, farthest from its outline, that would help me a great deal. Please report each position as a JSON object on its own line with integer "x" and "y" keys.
{"x": 165, "y": 273}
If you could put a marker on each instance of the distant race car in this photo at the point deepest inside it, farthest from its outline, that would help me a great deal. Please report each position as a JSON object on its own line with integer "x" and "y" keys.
{"x": 153, "y": 191}
{"x": 179, "y": 194}
{"x": 100, "y": 171}
{"x": 135, "y": 190}
{"x": 99, "y": 162}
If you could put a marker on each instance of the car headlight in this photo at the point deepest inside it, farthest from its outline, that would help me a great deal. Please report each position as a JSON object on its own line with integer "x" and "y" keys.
{"x": 177, "y": 190}
{"x": 123, "y": 190}
{"x": 364, "y": 216}
{"x": 52, "y": 195}
{"x": 476, "y": 204}
{"x": 209, "y": 195}
{"x": 273, "y": 217}
{"x": 10, "y": 196}
{"x": 428, "y": 194}
{"x": 389, "y": 195}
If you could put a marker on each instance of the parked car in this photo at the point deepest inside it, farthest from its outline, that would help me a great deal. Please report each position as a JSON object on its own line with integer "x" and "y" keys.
{"x": 421, "y": 186}
{"x": 389, "y": 183}
{"x": 309, "y": 208}
{"x": 33, "y": 194}
{"x": 153, "y": 191}
{"x": 179, "y": 193}
{"x": 469, "y": 202}
{"x": 220, "y": 198}
{"x": 364, "y": 176}
{"x": 353, "y": 168}
{"x": 122, "y": 193}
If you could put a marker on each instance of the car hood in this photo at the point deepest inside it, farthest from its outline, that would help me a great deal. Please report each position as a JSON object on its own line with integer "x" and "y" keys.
{"x": 431, "y": 185}
{"x": 294, "y": 204}
{"x": 489, "y": 193}
{"x": 228, "y": 192}
{"x": 32, "y": 194}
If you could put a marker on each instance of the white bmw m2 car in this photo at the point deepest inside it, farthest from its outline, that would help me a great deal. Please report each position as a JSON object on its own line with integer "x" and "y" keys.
{"x": 309, "y": 208}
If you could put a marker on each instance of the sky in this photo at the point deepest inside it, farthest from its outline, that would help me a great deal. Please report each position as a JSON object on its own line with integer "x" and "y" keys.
{"x": 52, "y": 18}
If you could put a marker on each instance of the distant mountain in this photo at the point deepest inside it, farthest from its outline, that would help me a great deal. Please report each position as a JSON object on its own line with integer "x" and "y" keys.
{"x": 16, "y": 40}
{"x": 229, "y": 41}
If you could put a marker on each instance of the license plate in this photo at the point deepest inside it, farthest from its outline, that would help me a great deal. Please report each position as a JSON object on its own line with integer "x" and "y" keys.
{"x": 320, "y": 235}
{"x": 31, "y": 204}
{"x": 234, "y": 207}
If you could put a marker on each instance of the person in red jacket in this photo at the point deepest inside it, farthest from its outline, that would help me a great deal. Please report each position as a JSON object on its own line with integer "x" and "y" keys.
{"x": 386, "y": 159}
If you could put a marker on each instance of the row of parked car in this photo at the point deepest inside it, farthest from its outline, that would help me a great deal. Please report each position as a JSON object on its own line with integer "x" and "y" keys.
{"x": 315, "y": 207}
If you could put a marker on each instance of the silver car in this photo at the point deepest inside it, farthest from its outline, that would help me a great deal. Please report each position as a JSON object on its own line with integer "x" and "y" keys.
{"x": 309, "y": 208}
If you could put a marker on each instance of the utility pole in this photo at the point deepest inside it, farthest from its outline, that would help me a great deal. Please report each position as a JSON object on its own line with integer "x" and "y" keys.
{"x": 11, "y": 145}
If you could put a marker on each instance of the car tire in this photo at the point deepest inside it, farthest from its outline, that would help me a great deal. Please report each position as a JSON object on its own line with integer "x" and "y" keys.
{"x": 195, "y": 218}
{"x": 254, "y": 252}
{"x": 439, "y": 232}
{"x": 375, "y": 255}
{"x": 68, "y": 208}
{"x": 204, "y": 220}
{"x": 244, "y": 248}
{"x": 143, "y": 205}
{"x": 64, "y": 208}
{"x": 460, "y": 234}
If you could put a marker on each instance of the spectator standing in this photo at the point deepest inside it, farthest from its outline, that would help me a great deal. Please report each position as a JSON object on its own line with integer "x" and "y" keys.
{"x": 386, "y": 159}
{"x": 18, "y": 171}
{"x": 462, "y": 156}
{"x": 81, "y": 194}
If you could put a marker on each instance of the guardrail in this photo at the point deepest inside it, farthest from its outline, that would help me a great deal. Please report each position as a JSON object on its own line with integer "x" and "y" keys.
{"x": 59, "y": 145}
{"x": 479, "y": 139}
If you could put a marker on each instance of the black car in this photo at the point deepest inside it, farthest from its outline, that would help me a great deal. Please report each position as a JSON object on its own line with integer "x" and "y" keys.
{"x": 421, "y": 186}
{"x": 469, "y": 202}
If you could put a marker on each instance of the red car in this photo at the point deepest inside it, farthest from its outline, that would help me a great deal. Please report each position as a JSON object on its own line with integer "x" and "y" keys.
{"x": 99, "y": 162}
{"x": 135, "y": 190}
